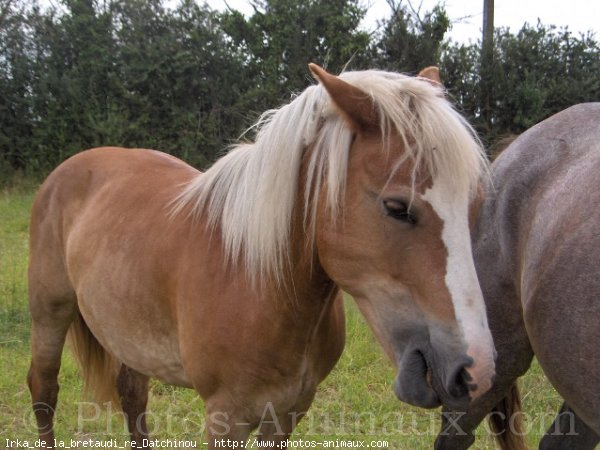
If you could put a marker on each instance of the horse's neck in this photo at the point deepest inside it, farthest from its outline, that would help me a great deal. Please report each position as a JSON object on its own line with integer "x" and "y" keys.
{"x": 306, "y": 282}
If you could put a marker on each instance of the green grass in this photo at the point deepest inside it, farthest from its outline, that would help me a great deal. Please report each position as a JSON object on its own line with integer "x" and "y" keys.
{"x": 355, "y": 402}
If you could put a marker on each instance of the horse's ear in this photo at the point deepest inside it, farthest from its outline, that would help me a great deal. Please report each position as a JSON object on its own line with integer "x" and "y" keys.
{"x": 431, "y": 74}
{"x": 356, "y": 106}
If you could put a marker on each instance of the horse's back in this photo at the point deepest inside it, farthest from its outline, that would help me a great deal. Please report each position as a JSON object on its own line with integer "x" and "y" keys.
{"x": 95, "y": 190}
{"x": 548, "y": 196}
{"x": 555, "y": 161}
{"x": 84, "y": 176}
{"x": 572, "y": 133}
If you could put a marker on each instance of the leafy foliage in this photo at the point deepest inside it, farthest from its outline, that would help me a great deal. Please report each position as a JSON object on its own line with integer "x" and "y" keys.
{"x": 128, "y": 73}
{"x": 536, "y": 73}
{"x": 282, "y": 36}
{"x": 408, "y": 42}
{"x": 188, "y": 79}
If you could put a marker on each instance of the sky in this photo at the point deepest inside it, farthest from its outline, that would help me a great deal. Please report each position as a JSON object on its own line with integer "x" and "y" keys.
{"x": 578, "y": 15}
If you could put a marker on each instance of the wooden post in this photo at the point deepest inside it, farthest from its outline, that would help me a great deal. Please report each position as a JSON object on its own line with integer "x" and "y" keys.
{"x": 488, "y": 22}
{"x": 487, "y": 61}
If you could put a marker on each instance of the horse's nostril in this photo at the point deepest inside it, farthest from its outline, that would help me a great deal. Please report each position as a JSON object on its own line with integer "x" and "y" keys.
{"x": 459, "y": 383}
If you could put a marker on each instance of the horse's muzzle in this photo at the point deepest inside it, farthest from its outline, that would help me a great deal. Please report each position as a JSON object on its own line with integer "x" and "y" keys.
{"x": 413, "y": 384}
{"x": 426, "y": 382}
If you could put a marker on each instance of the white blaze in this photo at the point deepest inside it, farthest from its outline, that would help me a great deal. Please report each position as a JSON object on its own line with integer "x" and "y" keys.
{"x": 462, "y": 283}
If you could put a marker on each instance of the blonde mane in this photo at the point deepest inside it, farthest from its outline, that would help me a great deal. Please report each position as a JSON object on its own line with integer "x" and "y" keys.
{"x": 251, "y": 192}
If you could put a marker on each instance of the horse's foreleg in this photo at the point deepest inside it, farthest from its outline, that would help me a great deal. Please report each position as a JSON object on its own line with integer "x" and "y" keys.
{"x": 49, "y": 327}
{"x": 133, "y": 393}
{"x": 569, "y": 432}
{"x": 227, "y": 425}
{"x": 458, "y": 427}
{"x": 276, "y": 428}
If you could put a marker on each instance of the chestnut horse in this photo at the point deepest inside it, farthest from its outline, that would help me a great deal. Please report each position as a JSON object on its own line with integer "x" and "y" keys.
{"x": 537, "y": 252}
{"x": 229, "y": 281}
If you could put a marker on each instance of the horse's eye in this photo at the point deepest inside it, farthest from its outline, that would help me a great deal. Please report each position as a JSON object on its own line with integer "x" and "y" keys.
{"x": 398, "y": 209}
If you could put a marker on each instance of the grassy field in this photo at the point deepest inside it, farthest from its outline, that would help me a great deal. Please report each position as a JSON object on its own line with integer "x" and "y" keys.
{"x": 355, "y": 403}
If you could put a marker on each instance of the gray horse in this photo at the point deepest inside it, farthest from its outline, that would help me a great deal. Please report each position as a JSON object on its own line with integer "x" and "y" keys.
{"x": 537, "y": 251}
